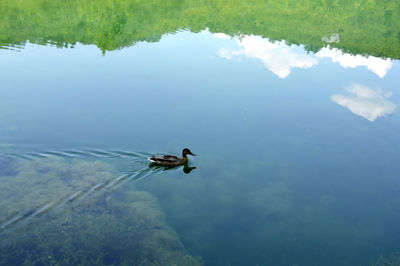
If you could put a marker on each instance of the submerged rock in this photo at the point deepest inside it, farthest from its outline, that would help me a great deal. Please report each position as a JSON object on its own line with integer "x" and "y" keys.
{"x": 121, "y": 226}
{"x": 7, "y": 167}
{"x": 391, "y": 260}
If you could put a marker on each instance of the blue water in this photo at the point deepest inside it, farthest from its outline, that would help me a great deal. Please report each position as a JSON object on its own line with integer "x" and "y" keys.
{"x": 297, "y": 152}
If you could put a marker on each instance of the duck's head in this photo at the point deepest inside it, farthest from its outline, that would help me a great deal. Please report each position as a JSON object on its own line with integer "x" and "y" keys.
{"x": 186, "y": 151}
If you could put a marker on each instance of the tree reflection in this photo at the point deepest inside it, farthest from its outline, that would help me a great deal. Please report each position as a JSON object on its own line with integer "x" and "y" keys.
{"x": 114, "y": 24}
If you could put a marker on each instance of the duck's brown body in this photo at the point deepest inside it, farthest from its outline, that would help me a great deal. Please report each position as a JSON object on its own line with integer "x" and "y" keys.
{"x": 171, "y": 160}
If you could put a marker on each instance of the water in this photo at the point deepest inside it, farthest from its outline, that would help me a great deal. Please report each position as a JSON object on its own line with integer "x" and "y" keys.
{"x": 295, "y": 127}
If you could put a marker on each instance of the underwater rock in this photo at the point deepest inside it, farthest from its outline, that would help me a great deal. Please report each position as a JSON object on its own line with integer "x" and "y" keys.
{"x": 391, "y": 260}
{"x": 43, "y": 181}
{"x": 121, "y": 226}
{"x": 7, "y": 166}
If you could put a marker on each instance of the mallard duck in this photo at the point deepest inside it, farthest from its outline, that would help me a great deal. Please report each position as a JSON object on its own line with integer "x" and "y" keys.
{"x": 171, "y": 160}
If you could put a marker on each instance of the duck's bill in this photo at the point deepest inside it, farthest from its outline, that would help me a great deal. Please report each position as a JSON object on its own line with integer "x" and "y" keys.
{"x": 192, "y": 154}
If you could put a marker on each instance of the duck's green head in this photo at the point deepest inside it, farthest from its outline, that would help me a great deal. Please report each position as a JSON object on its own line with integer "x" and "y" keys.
{"x": 186, "y": 151}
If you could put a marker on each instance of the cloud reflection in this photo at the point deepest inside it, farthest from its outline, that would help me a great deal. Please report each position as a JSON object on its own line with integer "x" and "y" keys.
{"x": 377, "y": 65}
{"x": 280, "y": 58}
{"x": 365, "y": 102}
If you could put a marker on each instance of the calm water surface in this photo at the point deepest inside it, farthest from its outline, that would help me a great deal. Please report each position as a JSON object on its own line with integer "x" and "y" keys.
{"x": 297, "y": 143}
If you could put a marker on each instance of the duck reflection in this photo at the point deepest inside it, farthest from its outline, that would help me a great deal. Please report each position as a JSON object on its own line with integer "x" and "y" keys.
{"x": 186, "y": 168}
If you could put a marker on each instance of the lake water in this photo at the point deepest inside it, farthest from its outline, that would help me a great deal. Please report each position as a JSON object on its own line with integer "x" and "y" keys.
{"x": 291, "y": 107}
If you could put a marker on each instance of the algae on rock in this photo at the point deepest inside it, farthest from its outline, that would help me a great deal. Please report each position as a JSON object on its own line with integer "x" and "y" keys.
{"x": 121, "y": 226}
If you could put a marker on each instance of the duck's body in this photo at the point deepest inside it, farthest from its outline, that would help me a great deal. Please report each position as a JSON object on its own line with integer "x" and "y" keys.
{"x": 171, "y": 160}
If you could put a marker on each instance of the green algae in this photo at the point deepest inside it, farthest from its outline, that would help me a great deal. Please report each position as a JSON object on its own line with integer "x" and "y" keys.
{"x": 42, "y": 181}
{"x": 121, "y": 226}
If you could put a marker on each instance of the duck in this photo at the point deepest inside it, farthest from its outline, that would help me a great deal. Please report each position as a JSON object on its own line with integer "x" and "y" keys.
{"x": 171, "y": 160}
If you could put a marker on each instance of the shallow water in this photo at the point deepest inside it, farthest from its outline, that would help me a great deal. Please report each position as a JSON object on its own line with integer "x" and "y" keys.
{"x": 296, "y": 133}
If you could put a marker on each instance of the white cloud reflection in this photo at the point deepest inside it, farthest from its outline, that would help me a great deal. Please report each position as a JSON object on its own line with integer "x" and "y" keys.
{"x": 280, "y": 58}
{"x": 333, "y": 38}
{"x": 222, "y": 36}
{"x": 377, "y": 65}
{"x": 365, "y": 102}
